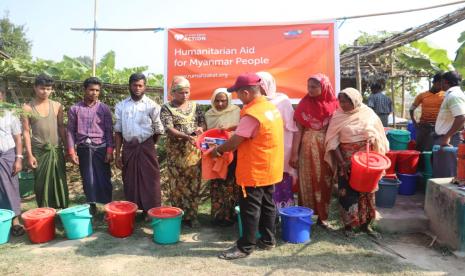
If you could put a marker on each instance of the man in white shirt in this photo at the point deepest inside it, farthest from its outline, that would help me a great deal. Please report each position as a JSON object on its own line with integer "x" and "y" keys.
{"x": 451, "y": 117}
{"x": 137, "y": 130}
{"x": 11, "y": 158}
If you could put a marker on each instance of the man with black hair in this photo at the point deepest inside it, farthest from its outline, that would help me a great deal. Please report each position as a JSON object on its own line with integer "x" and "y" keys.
{"x": 430, "y": 102}
{"x": 90, "y": 143}
{"x": 451, "y": 117}
{"x": 380, "y": 103}
{"x": 137, "y": 129}
{"x": 44, "y": 138}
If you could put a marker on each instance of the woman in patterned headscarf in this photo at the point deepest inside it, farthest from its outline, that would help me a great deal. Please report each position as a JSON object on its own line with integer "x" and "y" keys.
{"x": 223, "y": 114}
{"x": 312, "y": 116}
{"x": 183, "y": 121}
{"x": 351, "y": 127}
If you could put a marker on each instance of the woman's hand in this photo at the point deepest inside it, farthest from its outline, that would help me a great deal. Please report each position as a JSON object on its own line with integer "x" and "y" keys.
{"x": 191, "y": 139}
{"x": 198, "y": 131}
{"x": 294, "y": 161}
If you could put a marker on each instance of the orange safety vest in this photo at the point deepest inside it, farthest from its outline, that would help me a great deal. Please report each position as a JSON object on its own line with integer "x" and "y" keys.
{"x": 260, "y": 159}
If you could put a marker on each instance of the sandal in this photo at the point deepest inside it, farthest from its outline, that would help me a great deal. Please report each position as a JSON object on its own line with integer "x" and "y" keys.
{"x": 322, "y": 224}
{"x": 232, "y": 254}
{"x": 17, "y": 230}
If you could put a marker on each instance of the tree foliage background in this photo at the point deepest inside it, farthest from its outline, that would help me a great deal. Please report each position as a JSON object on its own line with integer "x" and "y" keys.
{"x": 13, "y": 40}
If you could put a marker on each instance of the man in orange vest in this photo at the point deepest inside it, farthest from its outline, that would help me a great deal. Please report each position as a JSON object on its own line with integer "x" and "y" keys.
{"x": 259, "y": 141}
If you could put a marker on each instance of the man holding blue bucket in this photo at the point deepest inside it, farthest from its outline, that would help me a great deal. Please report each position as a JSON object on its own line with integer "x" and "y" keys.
{"x": 259, "y": 141}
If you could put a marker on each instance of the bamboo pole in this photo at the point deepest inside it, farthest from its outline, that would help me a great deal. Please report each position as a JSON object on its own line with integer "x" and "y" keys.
{"x": 403, "y": 97}
{"x": 94, "y": 43}
{"x": 392, "y": 91}
{"x": 358, "y": 74}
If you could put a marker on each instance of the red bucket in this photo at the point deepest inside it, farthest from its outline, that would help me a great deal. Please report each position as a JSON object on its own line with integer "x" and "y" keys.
{"x": 120, "y": 216}
{"x": 407, "y": 161}
{"x": 40, "y": 224}
{"x": 367, "y": 169}
{"x": 392, "y": 155}
{"x": 212, "y": 133}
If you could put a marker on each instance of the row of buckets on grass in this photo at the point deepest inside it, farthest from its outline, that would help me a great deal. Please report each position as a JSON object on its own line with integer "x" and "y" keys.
{"x": 77, "y": 222}
{"x": 120, "y": 216}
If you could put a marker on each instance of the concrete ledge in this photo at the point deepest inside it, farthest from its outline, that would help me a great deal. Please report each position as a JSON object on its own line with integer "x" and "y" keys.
{"x": 407, "y": 216}
{"x": 445, "y": 208}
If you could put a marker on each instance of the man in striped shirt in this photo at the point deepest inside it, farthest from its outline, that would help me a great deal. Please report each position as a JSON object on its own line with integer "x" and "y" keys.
{"x": 380, "y": 103}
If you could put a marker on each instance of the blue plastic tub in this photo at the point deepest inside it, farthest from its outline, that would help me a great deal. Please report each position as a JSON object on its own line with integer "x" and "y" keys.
{"x": 296, "y": 224}
{"x": 77, "y": 221}
{"x": 413, "y": 132}
{"x": 5, "y": 224}
{"x": 387, "y": 192}
{"x": 408, "y": 185}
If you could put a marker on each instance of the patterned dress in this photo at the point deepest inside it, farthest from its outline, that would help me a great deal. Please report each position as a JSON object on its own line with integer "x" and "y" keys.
{"x": 184, "y": 185}
{"x": 356, "y": 208}
{"x": 315, "y": 176}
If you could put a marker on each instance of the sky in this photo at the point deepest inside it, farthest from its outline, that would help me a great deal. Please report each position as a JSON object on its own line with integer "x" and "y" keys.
{"x": 48, "y": 22}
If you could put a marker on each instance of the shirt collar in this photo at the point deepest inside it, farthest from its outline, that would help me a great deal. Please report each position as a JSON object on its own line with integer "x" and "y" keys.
{"x": 142, "y": 100}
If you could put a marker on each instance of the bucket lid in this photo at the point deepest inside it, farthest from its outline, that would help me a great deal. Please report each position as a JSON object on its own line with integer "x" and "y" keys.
{"x": 408, "y": 152}
{"x": 398, "y": 132}
{"x": 296, "y": 211}
{"x": 39, "y": 213}
{"x": 375, "y": 160}
{"x": 122, "y": 207}
{"x": 165, "y": 212}
{"x": 6, "y": 214}
{"x": 74, "y": 209}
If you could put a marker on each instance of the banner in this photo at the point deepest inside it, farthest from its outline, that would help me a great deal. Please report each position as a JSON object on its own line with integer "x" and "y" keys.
{"x": 212, "y": 57}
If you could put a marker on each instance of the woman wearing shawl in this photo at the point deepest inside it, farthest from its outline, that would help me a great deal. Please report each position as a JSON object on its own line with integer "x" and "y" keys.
{"x": 223, "y": 114}
{"x": 352, "y": 126}
{"x": 312, "y": 116}
{"x": 283, "y": 196}
{"x": 183, "y": 120}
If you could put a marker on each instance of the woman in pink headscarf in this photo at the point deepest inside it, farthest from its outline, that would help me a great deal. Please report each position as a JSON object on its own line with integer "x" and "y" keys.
{"x": 308, "y": 149}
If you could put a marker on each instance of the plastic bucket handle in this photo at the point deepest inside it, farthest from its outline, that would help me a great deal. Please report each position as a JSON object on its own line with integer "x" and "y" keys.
{"x": 155, "y": 221}
{"x": 35, "y": 225}
{"x": 368, "y": 155}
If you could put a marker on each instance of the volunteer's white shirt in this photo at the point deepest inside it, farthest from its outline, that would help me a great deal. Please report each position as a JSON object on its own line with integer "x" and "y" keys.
{"x": 452, "y": 106}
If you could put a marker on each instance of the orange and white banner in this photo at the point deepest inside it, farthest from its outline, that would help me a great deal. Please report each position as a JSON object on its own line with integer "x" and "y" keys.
{"x": 212, "y": 57}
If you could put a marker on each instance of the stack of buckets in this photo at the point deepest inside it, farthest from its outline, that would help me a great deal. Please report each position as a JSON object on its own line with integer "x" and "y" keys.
{"x": 404, "y": 162}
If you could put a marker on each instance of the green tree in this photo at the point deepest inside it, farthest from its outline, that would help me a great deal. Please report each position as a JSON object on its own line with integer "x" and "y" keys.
{"x": 13, "y": 40}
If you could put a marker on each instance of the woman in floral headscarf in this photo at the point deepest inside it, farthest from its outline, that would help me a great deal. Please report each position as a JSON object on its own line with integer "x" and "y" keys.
{"x": 183, "y": 121}
{"x": 223, "y": 114}
{"x": 352, "y": 126}
{"x": 312, "y": 116}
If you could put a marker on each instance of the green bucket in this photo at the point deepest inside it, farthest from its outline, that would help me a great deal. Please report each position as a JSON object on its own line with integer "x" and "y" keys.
{"x": 77, "y": 221}
{"x": 5, "y": 224}
{"x": 26, "y": 184}
{"x": 237, "y": 209}
{"x": 426, "y": 160}
{"x": 166, "y": 224}
{"x": 398, "y": 139}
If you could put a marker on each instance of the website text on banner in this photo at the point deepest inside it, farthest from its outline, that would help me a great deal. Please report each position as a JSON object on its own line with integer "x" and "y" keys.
{"x": 213, "y": 57}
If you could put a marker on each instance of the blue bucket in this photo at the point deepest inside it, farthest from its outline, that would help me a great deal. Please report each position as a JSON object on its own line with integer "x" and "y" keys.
{"x": 387, "y": 192}
{"x": 5, "y": 224}
{"x": 296, "y": 224}
{"x": 408, "y": 185}
{"x": 77, "y": 221}
{"x": 411, "y": 128}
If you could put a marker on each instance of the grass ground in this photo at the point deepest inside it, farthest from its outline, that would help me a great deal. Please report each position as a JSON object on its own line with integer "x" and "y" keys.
{"x": 329, "y": 253}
